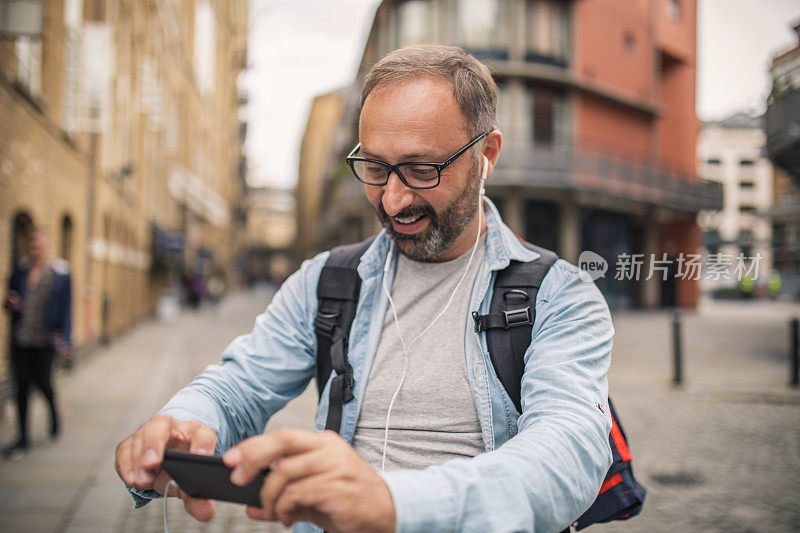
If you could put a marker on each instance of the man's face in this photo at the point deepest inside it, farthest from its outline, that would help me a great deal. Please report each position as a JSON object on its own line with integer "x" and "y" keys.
{"x": 37, "y": 246}
{"x": 420, "y": 121}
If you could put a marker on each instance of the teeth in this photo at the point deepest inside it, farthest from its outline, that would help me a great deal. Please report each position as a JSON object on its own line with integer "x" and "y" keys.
{"x": 407, "y": 220}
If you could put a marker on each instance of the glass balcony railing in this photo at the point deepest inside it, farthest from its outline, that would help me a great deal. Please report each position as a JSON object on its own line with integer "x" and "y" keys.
{"x": 782, "y": 123}
{"x": 570, "y": 167}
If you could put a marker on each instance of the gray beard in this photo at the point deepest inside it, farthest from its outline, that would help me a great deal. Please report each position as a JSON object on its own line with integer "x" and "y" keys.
{"x": 443, "y": 228}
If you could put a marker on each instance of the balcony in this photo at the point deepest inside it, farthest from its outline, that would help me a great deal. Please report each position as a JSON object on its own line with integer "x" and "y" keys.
{"x": 571, "y": 168}
{"x": 783, "y": 132}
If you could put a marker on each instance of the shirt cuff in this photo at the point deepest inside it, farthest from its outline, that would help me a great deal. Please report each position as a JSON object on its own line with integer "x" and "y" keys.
{"x": 142, "y": 497}
{"x": 424, "y": 502}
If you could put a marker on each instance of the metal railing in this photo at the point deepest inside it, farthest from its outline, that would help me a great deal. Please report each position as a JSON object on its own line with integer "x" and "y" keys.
{"x": 573, "y": 168}
{"x": 782, "y": 122}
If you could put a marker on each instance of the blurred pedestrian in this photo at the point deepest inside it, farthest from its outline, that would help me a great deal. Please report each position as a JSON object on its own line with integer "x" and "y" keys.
{"x": 192, "y": 289}
{"x": 39, "y": 300}
{"x": 746, "y": 286}
{"x": 216, "y": 289}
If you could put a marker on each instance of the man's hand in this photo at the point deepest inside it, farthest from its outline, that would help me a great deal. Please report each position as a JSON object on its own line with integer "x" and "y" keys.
{"x": 315, "y": 477}
{"x": 139, "y": 457}
{"x": 13, "y": 302}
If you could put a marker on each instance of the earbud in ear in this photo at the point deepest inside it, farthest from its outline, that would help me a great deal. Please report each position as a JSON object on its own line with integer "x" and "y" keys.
{"x": 483, "y": 176}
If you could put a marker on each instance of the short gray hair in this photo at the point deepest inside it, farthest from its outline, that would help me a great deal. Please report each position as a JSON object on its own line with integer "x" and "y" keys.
{"x": 473, "y": 87}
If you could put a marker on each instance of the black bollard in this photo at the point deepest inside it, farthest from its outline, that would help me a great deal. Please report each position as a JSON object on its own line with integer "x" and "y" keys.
{"x": 677, "y": 355}
{"x": 794, "y": 352}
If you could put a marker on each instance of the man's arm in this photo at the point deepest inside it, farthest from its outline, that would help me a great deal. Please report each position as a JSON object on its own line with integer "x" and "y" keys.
{"x": 13, "y": 299}
{"x": 258, "y": 374}
{"x": 551, "y": 471}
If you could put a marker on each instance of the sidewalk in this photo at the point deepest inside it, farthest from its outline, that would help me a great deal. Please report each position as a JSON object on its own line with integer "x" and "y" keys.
{"x": 71, "y": 485}
{"x": 722, "y": 453}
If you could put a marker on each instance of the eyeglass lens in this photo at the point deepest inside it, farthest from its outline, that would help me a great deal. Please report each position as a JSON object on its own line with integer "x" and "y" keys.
{"x": 415, "y": 175}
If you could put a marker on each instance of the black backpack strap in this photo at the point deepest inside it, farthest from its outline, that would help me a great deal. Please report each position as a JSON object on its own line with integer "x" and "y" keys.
{"x": 510, "y": 320}
{"x": 508, "y": 329}
{"x": 337, "y": 294}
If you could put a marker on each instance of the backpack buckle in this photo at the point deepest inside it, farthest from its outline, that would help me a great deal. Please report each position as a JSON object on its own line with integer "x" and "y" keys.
{"x": 325, "y": 323}
{"x": 518, "y": 317}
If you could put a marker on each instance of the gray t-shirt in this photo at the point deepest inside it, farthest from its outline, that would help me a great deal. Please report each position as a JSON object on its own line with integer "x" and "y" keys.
{"x": 434, "y": 418}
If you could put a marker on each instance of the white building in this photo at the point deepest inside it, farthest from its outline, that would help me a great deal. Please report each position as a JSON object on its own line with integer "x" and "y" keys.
{"x": 732, "y": 152}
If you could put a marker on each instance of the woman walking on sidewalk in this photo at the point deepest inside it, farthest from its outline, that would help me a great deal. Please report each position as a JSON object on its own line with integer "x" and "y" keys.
{"x": 39, "y": 300}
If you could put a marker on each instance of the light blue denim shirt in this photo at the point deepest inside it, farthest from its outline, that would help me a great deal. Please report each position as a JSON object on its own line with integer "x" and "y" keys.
{"x": 542, "y": 468}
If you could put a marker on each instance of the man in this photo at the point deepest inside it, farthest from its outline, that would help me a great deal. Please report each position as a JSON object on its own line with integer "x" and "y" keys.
{"x": 427, "y": 444}
{"x": 40, "y": 302}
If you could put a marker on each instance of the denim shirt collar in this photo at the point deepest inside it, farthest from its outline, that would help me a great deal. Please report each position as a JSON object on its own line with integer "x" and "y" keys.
{"x": 502, "y": 246}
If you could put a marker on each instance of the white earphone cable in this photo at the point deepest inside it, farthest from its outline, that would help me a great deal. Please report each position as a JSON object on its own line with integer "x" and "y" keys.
{"x": 397, "y": 322}
{"x": 166, "y": 492}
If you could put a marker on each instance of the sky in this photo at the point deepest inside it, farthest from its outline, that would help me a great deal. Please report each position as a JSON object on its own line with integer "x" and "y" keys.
{"x": 736, "y": 40}
{"x": 299, "y": 49}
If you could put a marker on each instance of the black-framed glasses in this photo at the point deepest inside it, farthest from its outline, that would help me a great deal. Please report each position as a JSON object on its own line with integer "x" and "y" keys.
{"x": 417, "y": 175}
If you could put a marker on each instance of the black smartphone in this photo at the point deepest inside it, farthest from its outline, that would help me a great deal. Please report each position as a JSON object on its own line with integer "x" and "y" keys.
{"x": 204, "y": 476}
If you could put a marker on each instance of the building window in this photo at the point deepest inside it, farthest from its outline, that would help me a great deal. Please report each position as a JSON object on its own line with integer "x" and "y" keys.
{"x": 712, "y": 241}
{"x": 65, "y": 242}
{"x": 674, "y": 9}
{"x": 629, "y": 42}
{"x": 547, "y": 32}
{"x": 29, "y": 64}
{"x": 483, "y": 27}
{"x": 22, "y": 226}
{"x": 714, "y": 161}
{"x": 746, "y": 237}
{"x": 747, "y": 209}
{"x": 747, "y": 185}
{"x": 541, "y": 223}
{"x": 205, "y": 46}
{"x": 746, "y": 163}
{"x": 547, "y": 111}
{"x": 414, "y": 22}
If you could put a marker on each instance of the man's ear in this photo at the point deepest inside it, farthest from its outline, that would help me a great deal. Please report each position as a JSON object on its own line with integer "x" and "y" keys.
{"x": 491, "y": 149}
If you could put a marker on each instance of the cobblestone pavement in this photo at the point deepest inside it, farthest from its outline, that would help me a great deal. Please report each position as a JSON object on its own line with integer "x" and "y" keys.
{"x": 721, "y": 453}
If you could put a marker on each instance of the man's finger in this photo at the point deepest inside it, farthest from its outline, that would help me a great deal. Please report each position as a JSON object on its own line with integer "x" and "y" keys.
{"x": 257, "y": 453}
{"x": 304, "y": 464}
{"x": 122, "y": 462}
{"x": 201, "y": 509}
{"x": 138, "y": 473}
{"x": 160, "y": 484}
{"x": 270, "y": 490}
{"x": 290, "y": 469}
{"x": 203, "y": 440}
{"x": 255, "y": 513}
{"x": 155, "y": 435}
{"x": 301, "y": 499}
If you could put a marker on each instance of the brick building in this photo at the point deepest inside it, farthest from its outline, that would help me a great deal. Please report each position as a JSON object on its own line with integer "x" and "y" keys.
{"x": 597, "y": 108}
{"x": 119, "y": 134}
{"x": 316, "y": 158}
{"x": 783, "y": 146}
